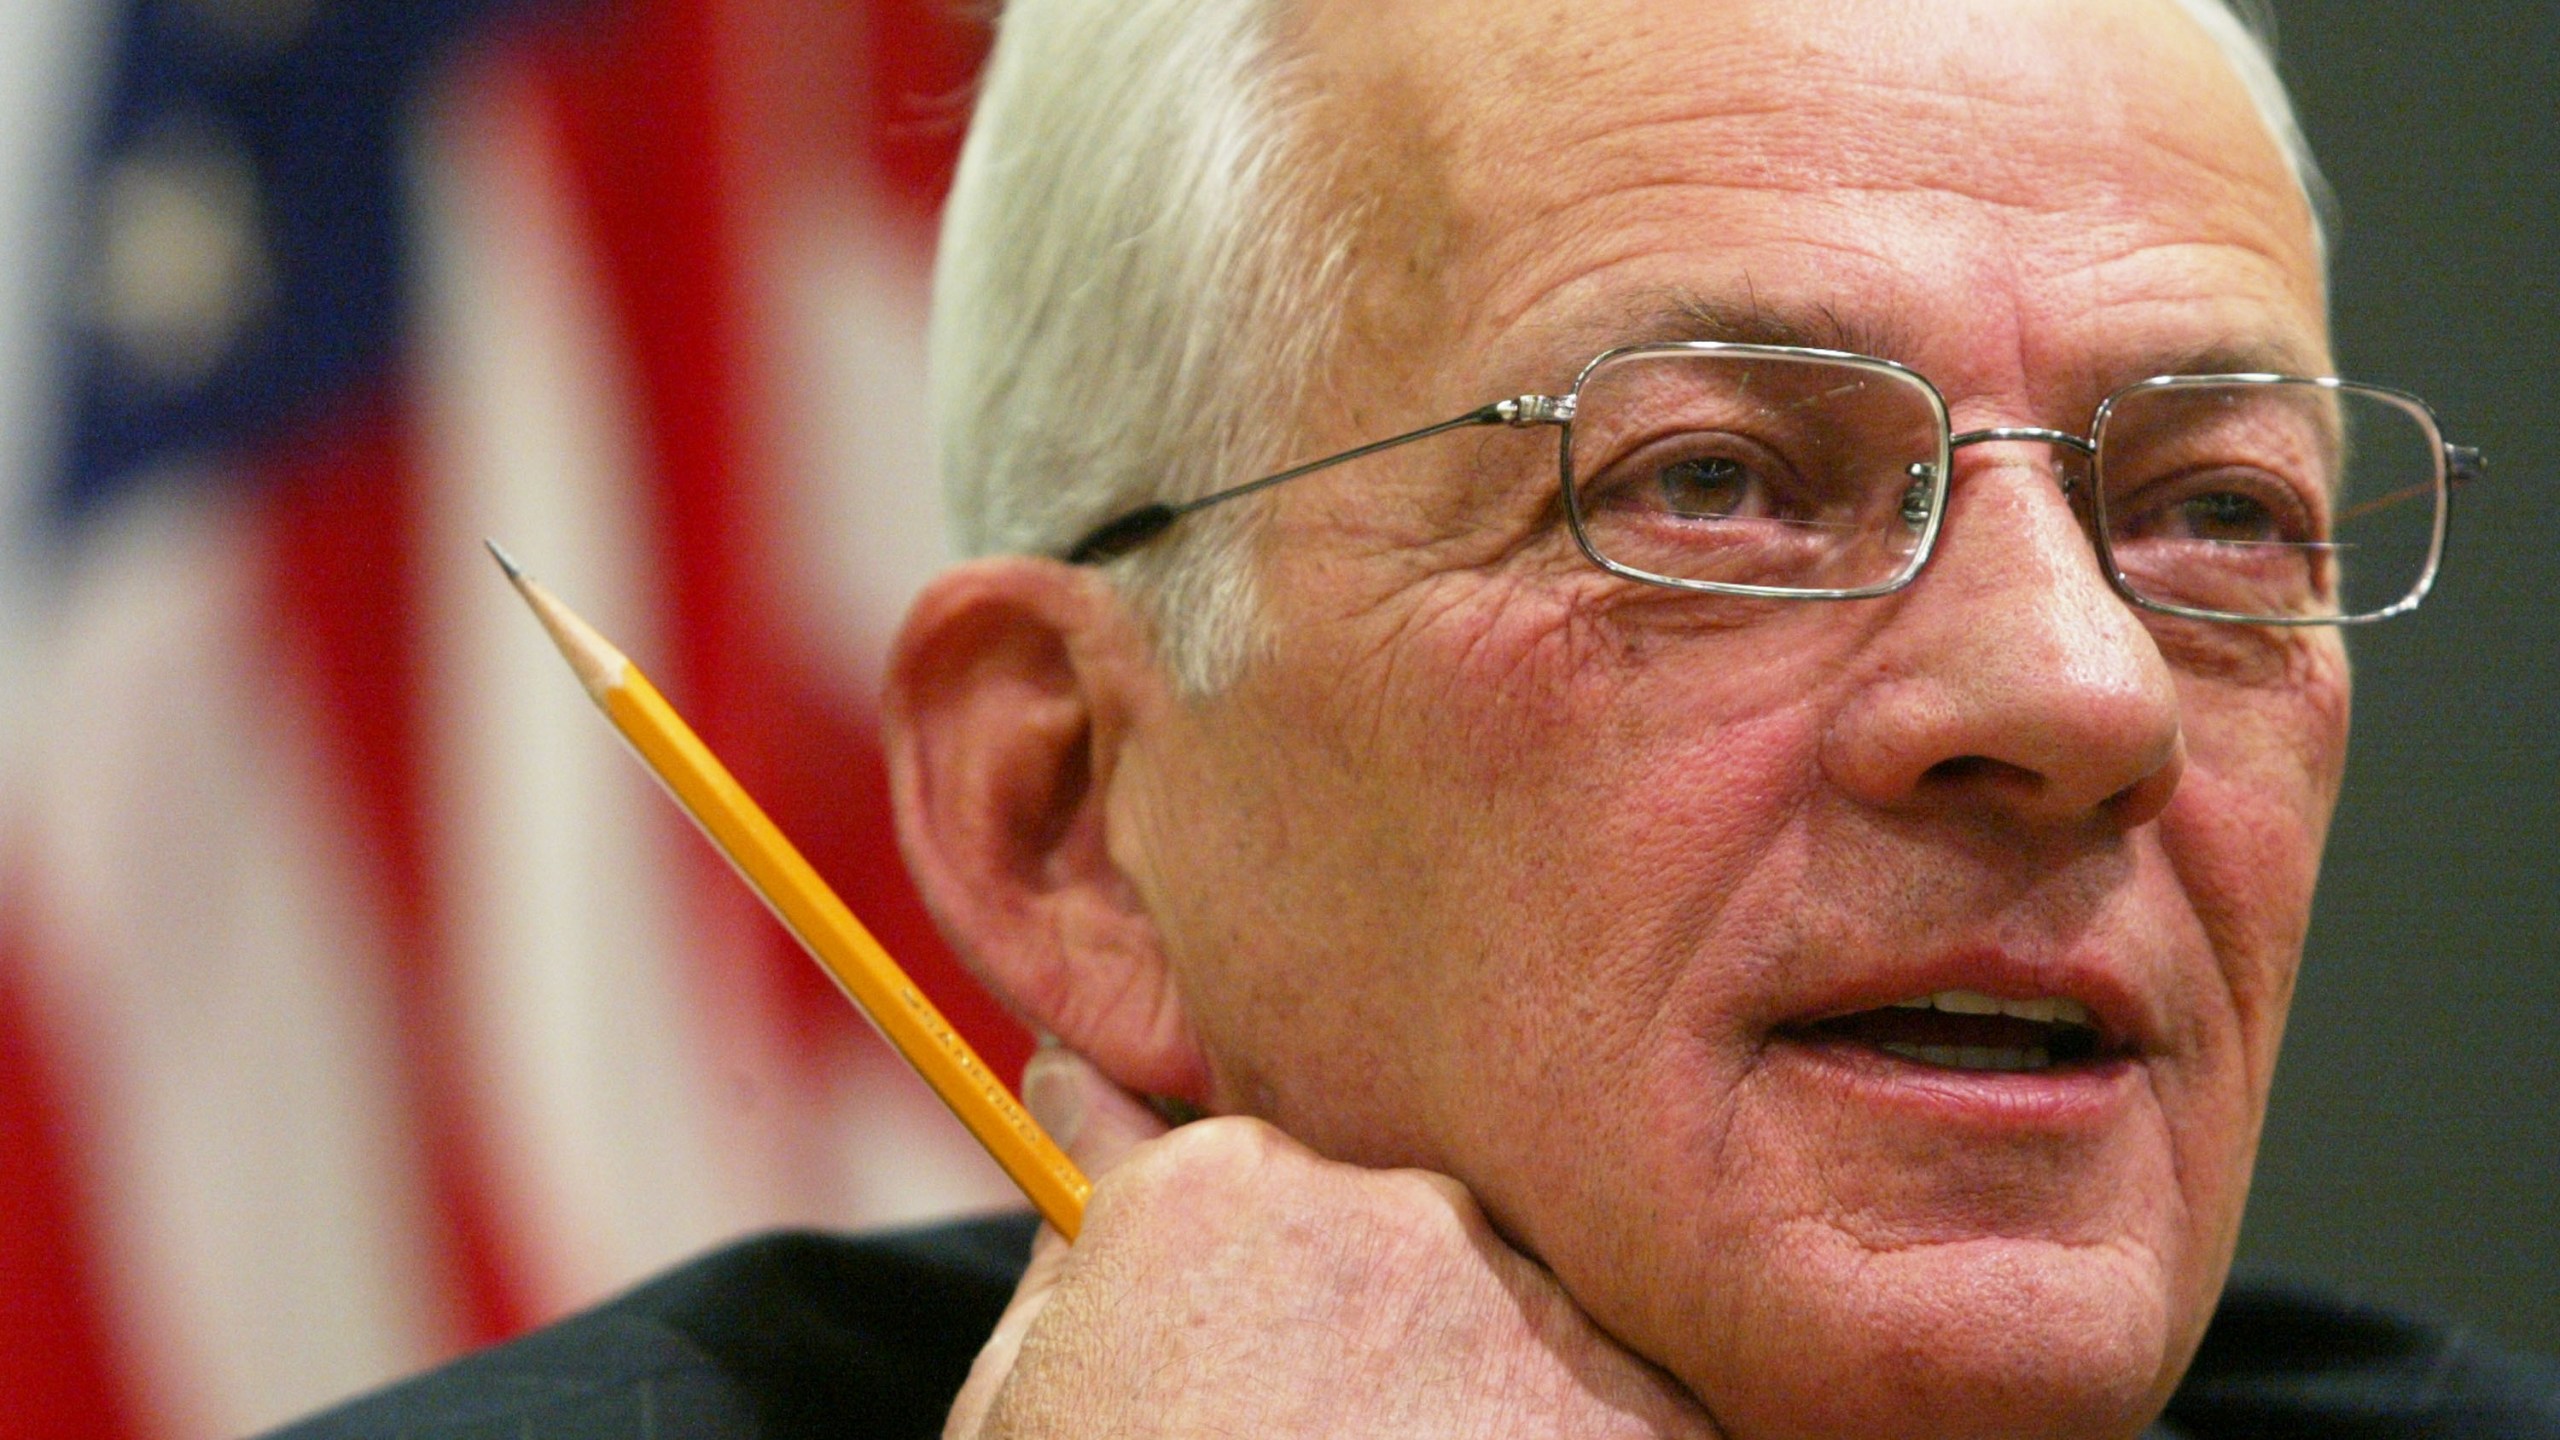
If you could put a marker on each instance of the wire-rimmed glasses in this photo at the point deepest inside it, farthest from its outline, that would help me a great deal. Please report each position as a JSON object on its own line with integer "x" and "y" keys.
{"x": 1815, "y": 474}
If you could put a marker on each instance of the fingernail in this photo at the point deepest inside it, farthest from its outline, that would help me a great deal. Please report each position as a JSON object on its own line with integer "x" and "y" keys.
{"x": 1054, "y": 1094}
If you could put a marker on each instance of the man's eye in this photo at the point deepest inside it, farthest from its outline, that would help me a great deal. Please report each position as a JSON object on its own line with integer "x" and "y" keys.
{"x": 2218, "y": 506}
{"x": 2225, "y": 516}
{"x": 1709, "y": 487}
{"x": 2224, "y": 508}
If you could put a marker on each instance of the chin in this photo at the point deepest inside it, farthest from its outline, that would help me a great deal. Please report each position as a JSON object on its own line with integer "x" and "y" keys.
{"x": 1994, "y": 1338}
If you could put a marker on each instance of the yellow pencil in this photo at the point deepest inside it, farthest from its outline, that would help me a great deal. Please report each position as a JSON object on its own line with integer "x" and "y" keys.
{"x": 770, "y": 865}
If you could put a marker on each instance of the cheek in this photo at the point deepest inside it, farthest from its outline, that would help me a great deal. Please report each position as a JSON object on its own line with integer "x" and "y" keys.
{"x": 1611, "y": 802}
{"x": 1522, "y": 808}
{"x": 1633, "y": 785}
{"x": 2242, "y": 842}
{"x": 2245, "y": 831}
{"x": 1590, "y": 716}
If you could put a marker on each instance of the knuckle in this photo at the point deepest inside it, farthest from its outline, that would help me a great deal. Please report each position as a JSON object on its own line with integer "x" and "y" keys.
{"x": 1232, "y": 1186}
{"x": 1432, "y": 1192}
{"x": 1427, "y": 1230}
{"x": 1228, "y": 1149}
{"x": 1430, "y": 1207}
{"x": 1224, "y": 1162}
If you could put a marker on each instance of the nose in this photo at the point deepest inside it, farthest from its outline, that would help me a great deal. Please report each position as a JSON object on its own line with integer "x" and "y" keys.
{"x": 2011, "y": 680}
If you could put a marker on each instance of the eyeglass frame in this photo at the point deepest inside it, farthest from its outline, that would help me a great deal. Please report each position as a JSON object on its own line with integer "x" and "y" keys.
{"x": 2455, "y": 465}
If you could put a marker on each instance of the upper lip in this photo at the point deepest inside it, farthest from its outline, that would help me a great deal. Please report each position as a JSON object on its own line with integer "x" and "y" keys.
{"x": 2125, "y": 1016}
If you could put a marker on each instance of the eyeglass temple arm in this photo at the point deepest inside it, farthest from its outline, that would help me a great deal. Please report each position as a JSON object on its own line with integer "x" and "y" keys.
{"x": 2462, "y": 465}
{"x": 1117, "y": 537}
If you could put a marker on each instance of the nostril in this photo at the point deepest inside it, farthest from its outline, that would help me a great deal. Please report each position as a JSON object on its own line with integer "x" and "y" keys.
{"x": 1986, "y": 777}
{"x": 1977, "y": 769}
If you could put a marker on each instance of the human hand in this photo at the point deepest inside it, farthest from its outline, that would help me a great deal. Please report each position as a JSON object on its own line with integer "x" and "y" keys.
{"x": 1230, "y": 1281}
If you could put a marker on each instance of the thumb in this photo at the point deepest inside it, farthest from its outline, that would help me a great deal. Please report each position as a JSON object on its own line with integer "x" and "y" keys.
{"x": 1093, "y": 1120}
{"x": 1096, "y": 1123}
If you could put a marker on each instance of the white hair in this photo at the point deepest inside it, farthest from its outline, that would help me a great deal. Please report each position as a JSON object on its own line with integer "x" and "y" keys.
{"x": 1135, "y": 289}
{"x": 1141, "y": 268}
{"x": 2246, "y": 32}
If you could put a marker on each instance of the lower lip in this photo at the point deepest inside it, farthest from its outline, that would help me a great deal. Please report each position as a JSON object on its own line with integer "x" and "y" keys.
{"x": 2084, "y": 1095}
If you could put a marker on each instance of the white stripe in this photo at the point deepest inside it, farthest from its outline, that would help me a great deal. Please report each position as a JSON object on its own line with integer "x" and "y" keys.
{"x": 574, "y": 937}
{"x": 209, "y": 958}
{"x": 645, "y": 1103}
{"x": 843, "y": 297}
{"x": 47, "y": 54}
{"x": 222, "y": 984}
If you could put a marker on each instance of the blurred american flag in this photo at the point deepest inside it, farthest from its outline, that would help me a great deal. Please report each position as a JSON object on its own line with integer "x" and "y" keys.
{"x": 359, "y": 1000}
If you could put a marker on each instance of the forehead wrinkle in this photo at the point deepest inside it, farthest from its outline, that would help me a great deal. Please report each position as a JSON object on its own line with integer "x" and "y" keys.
{"x": 2238, "y": 350}
{"x": 1540, "y": 335}
{"x": 1658, "y": 314}
{"x": 1549, "y": 234}
{"x": 2093, "y": 205}
{"x": 1921, "y": 135}
{"x": 2178, "y": 307}
{"x": 1849, "y": 130}
{"x": 1841, "y": 114}
{"x": 2152, "y": 278}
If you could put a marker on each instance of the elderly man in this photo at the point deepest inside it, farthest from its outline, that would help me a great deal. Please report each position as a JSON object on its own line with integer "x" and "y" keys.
{"x": 1745, "y": 884}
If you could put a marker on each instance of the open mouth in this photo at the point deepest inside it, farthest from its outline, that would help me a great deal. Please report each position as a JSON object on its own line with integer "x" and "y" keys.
{"x": 1968, "y": 1030}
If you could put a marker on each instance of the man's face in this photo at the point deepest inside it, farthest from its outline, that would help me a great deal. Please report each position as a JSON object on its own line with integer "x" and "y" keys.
{"x": 1497, "y": 865}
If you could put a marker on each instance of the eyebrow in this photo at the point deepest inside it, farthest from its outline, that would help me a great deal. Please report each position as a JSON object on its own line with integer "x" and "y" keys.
{"x": 2230, "y": 357}
{"x": 1675, "y": 314}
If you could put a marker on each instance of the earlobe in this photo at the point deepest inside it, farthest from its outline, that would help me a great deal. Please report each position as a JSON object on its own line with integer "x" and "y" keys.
{"x": 1014, "y": 689}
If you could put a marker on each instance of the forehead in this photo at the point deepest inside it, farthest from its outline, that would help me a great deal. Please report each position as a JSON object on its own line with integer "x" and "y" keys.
{"x": 2011, "y": 188}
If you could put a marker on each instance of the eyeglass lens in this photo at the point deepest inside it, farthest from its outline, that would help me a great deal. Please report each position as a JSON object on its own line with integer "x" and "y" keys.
{"x": 2276, "y": 500}
{"x": 1776, "y": 471}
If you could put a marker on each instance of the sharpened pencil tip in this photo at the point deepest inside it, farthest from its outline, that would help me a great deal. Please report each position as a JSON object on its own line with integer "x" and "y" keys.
{"x": 600, "y": 667}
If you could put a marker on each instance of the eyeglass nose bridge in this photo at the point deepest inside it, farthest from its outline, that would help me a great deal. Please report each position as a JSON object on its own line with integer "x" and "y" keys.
{"x": 2082, "y": 445}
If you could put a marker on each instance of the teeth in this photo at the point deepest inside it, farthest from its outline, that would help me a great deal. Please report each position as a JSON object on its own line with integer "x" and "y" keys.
{"x": 2047, "y": 1010}
{"x": 1972, "y": 1057}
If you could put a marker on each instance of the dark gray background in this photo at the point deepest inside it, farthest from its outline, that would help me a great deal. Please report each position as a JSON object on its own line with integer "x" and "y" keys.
{"x": 2413, "y": 1152}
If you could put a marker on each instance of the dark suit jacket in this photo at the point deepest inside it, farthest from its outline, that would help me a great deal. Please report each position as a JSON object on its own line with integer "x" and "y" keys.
{"x": 784, "y": 1336}
{"x": 800, "y": 1335}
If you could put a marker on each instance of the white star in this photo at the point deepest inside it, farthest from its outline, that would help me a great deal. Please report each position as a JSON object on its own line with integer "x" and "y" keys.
{"x": 181, "y": 267}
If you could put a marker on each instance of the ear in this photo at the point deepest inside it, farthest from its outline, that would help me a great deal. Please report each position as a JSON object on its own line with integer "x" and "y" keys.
{"x": 1014, "y": 689}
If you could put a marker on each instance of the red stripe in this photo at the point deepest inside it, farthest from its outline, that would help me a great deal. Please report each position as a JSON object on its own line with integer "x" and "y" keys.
{"x": 923, "y": 56}
{"x": 655, "y": 136}
{"x": 61, "y": 1372}
{"x": 339, "y": 526}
